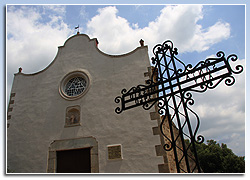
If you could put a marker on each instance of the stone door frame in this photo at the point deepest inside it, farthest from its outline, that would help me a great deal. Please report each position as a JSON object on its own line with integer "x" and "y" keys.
{"x": 71, "y": 144}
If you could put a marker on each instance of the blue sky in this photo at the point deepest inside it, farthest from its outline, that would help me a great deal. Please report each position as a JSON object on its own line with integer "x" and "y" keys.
{"x": 211, "y": 28}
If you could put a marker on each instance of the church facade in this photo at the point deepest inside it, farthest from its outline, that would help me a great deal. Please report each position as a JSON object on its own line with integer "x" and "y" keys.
{"x": 62, "y": 119}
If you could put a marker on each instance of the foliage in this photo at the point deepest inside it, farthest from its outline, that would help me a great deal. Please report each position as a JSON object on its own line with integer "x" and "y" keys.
{"x": 216, "y": 158}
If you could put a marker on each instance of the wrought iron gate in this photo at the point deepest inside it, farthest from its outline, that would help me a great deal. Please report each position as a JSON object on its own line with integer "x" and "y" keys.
{"x": 170, "y": 89}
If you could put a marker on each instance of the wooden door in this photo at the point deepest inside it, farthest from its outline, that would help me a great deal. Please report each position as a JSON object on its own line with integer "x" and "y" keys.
{"x": 74, "y": 161}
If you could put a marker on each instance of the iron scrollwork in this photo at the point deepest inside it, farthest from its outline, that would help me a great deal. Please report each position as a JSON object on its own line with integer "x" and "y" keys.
{"x": 170, "y": 87}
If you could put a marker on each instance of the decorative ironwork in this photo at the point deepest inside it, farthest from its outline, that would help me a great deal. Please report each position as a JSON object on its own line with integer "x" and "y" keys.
{"x": 75, "y": 86}
{"x": 170, "y": 87}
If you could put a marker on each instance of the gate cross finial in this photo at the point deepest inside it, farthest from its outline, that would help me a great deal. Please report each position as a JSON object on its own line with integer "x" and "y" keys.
{"x": 170, "y": 87}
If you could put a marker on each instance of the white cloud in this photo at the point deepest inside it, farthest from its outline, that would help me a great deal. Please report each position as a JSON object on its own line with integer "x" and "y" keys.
{"x": 222, "y": 112}
{"x": 55, "y": 9}
{"x": 83, "y": 14}
{"x": 32, "y": 42}
{"x": 177, "y": 23}
{"x": 26, "y": 29}
{"x": 113, "y": 32}
{"x": 214, "y": 34}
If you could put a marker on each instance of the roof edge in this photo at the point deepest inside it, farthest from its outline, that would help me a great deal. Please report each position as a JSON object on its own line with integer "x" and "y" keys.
{"x": 93, "y": 40}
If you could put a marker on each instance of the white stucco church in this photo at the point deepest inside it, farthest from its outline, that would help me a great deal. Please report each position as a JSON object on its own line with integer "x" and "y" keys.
{"x": 62, "y": 119}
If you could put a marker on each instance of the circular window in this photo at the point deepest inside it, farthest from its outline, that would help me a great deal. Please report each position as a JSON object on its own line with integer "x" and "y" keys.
{"x": 74, "y": 85}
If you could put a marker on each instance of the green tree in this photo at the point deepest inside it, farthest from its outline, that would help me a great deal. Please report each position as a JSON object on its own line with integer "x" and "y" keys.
{"x": 216, "y": 158}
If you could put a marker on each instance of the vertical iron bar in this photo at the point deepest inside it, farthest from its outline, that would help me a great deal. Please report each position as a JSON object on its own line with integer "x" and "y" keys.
{"x": 173, "y": 145}
{"x": 176, "y": 110}
{"x": 189, "y": 126}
